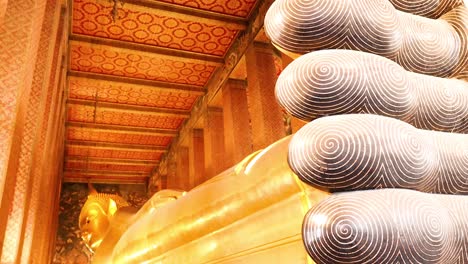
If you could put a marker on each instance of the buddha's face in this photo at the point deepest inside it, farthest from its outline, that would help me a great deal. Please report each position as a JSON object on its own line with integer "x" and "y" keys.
{"x": 94, "y": 223}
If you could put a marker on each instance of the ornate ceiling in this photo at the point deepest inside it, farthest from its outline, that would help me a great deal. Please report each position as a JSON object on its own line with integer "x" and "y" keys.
{"x": 135, "y": 73}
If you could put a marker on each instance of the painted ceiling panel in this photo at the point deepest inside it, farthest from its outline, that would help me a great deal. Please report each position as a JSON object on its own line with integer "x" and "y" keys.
{"x": 131, "y": 94}
{"x": 143, "y": 25}
{"x": 135, "y": 75}
{"x": 114, "y": 136}
{"x": 87, "y": 57}
{"x": 240, "y": 8}
{"x": 102, "y": 115}
{"x": 98, "y": 152}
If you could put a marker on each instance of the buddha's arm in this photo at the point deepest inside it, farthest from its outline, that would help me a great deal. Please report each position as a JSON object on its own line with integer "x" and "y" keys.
{"x": 156, "y": 201}
{"x": 250, "y": 214}
{"x": 119, "y": 223}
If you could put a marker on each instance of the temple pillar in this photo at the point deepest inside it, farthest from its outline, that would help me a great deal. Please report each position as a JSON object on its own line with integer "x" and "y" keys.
{"x": 182, "y": 169}
{"x": 196, "y": 158}
{"x": 46, "y": 158}
{"x": 214, "y": 142}
{"x": 27, "y": 41}
{"x": 265, "y": 114}
{"x": 171, "y": 173}
{"x": 237, "y": 131}
{"x": 163, "y": 182}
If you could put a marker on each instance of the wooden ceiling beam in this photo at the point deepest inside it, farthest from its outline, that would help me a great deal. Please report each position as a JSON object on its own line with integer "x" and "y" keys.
{"x": 106, "y": 180}
{"x": 68, "y": 157}
{"x": 172, "y": 133}
{"x": 123, "y": 129}
{"x": 112, "y": 146}
{"x": 131, "y": 108}
{"x": 217, "y": 60}
{"x": 115, "y": 145}
{"x": 110, "y": 173}
{"x": 195, "y": 13}
{"x": 119, "y": 79}
{"x": 111, "y": 161}
{"x": 143, "y": 172}
{"x": 104, "y": 177}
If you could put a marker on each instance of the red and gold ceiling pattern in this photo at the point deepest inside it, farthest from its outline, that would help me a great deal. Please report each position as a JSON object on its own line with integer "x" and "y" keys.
{"x": 99, "y": 166}
{"x": 114, "y": 136}
{"x": 240, "y": 8}
{"x": 130, "y": 94}
{"x": 147, "y": 26}
{"x": 99, "y": 152}
{"x": 109, "y": 116}
{"x": 108, "y": 60}
{"x": 134, "y": 79}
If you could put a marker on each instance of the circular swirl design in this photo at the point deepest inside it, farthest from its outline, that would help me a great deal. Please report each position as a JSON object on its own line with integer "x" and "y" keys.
{"x": 124, "y": 62}
{"x": 423, "y": 45}
{"x": 354, "y": 152}
{"x": 387, "y": 226}
{"x": 426, "y": 8}
{"x": 333, "y": 82}
{"x": 145, "y": 26}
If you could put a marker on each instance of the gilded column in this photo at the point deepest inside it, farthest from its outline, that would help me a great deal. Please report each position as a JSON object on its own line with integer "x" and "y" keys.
{"x": 265, "y": 114}
{"x": 214, "y": 142}
{"x": 196, "y": 158}
{"x": 171, "y": 173}
{"x": 21, "y": 76}
{"x": 182, "y": 168}
{"x": 237, "y": 131}
{"x": 43, "y": 88}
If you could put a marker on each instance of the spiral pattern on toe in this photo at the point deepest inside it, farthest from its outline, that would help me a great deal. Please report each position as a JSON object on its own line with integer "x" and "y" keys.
{"x": 387, "y": 226}
{"x": 418, "y": 44}
{"x": 452, "y": 164}
{"x": 333, "y": 82}
{"x": 426, "y": 8}
{"x": 354, "y": 152}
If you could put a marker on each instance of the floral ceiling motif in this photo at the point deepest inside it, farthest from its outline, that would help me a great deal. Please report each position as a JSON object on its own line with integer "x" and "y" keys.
{"x": 86, "y": 57}
{"x": 152, "y": 27}
{"x": 92, "y": 114}
{"x": 134, "y": 77}
{"x": 240, "y": 8}
{"x": 130, "y": 94}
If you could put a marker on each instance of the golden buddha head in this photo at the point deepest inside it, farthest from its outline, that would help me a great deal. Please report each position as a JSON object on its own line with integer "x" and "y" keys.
{"x": 95, "y": 216}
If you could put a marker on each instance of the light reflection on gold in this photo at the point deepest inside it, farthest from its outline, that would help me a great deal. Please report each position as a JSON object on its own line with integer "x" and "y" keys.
{"x": 251, "y": 213}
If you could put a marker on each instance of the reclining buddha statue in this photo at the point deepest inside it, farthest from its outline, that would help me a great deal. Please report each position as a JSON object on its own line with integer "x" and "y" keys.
{"x": 379, "y": 175}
